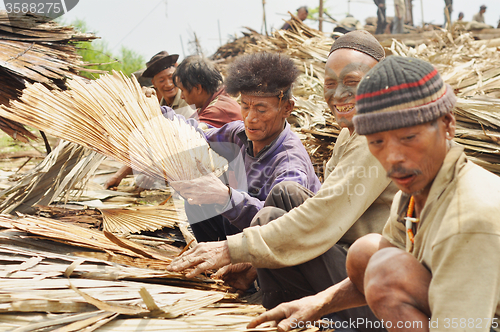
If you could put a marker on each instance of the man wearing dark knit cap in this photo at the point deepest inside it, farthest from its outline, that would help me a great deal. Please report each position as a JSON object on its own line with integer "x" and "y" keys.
{"x": 436, "y": 265}
{"x": 303, "y": 250}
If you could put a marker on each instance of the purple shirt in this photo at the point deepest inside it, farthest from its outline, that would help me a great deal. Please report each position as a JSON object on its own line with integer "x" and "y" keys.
{"x": 285, "y": 159}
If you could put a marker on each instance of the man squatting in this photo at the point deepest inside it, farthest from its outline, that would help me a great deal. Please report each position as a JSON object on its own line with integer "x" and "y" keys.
{"x": 436, "y": 266}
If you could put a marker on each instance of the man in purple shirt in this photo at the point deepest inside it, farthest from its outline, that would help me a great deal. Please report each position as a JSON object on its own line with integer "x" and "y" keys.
{"x": 262, "y": 151}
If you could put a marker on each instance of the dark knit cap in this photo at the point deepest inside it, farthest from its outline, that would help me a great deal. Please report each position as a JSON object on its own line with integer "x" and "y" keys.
{"x": 362, "y": 41}
{"x": 400, "y": 92}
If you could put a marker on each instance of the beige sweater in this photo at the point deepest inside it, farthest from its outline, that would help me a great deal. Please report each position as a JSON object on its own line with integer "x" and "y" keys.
{"x": 354, "y": 200}
{"x": 458, "y": 240}
{"x": 179, "y": 105}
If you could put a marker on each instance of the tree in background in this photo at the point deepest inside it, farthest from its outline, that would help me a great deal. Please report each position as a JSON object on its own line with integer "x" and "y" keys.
{"x": 99, "y": 54}
{"x": 314, "y": 13}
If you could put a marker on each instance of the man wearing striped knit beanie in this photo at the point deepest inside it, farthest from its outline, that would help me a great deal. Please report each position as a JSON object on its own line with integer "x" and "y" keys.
{"x": 436, "y": 266}
{"x": 445, "y": 216}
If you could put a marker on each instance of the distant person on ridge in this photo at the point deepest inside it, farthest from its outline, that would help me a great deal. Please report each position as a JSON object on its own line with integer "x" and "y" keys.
{"x": 381, "y": 18}
{"x": 448, "y": 7}
{"x": 399, "y": 16}
{"x": 479, "y": 17}
{"x": 302, "y": 13}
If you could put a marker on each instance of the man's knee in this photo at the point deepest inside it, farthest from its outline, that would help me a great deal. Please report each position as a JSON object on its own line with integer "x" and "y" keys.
{"x": 394, "y": 276}
{"x": 287, "y": 195}
{"x": 266, "y": 215}
{"x": 358, "y": 256}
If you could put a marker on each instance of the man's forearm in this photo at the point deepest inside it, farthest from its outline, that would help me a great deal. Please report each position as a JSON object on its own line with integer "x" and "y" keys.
{"x": 341, "y": 296}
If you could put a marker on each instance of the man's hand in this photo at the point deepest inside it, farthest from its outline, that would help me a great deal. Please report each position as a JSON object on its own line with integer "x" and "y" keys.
{"x": 207, "y": 189}
{"x": 115, "y": 180}
{"x": 307, "y": 309}
{"x": 149, "y": 92}
{"x": 205, "y": 256}
{"x": 239, "y": 276}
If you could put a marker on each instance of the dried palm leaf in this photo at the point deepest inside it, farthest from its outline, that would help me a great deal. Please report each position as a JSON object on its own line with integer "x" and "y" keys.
{"x": 68, "y": 166}
{"x": 34, "y": 50}
{"x": 135, "y": 220}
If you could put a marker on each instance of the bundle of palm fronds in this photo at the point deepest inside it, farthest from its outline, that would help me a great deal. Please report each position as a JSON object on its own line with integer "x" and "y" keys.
{"x": 38, "y": 50}
{"x": 143, "y": 218}
{"x": 112, "y": 116}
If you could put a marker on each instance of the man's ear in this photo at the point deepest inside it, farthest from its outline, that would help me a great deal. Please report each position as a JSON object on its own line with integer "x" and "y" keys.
{"x": 198, "y": 89}
{"x": 449, "y": 124}
{"x": 288, "y": 107}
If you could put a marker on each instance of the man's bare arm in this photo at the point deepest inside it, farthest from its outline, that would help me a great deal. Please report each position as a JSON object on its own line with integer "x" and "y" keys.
{"x": 341, "y": 296}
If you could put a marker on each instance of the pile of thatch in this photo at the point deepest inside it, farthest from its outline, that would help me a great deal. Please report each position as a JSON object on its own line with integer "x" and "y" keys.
{"x": 236, "y": 47}
{"x": 34, "y": 50}
{"x": 471, "y": 67}
{"x": 65, "y": 167}
{"x": 56, "y": 276}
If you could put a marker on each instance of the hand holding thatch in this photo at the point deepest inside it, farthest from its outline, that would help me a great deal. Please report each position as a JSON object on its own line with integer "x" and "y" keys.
{"x": 238, "y": 276}
{"x": 205, "y": 256}
{"x": 148, "y": 92}
{"x": 207, "y": 189}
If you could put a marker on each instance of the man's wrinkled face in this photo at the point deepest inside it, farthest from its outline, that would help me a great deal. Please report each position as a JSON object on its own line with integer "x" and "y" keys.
{"x": 344, "y": 70}
{"x": 264, "y": 117}
{"x": 412, "y": 156}
{"x": 164, "y": 83}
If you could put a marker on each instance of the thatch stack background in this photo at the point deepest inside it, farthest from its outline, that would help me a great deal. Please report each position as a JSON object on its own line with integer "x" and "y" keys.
{"x": 471, "y": 67}
{"x": 34, "y": 50}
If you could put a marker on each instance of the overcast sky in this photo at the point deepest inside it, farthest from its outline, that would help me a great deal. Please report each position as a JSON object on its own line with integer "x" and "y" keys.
{"x": 149, "y": 26}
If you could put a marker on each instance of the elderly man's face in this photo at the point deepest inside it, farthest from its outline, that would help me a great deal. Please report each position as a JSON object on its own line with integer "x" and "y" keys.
{"x": 164, "y": 83}
{"x": 412, "y": 156}
{"x": 264, "y": 118}
{"x": 344, "y": 70}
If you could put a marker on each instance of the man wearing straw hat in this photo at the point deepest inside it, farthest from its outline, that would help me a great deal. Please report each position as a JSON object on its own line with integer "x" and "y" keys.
{"x": 160, "y": 69}
{"x": 436, "y": 265}
{"x": 302, "y": 252}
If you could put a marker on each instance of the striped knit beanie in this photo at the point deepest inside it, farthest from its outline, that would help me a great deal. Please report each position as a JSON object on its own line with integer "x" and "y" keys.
{"x": 362, "y": 41}
{"x": 400, "y": 92}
